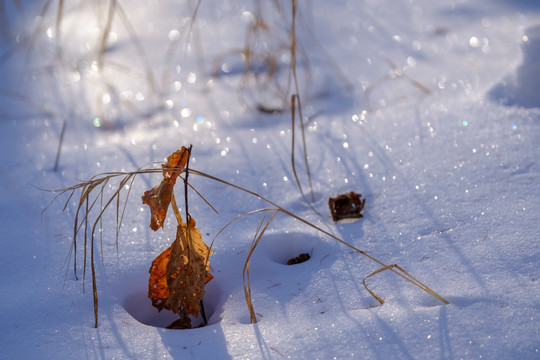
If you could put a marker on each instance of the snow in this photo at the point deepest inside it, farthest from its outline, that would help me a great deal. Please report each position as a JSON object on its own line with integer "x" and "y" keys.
{"x": 431, "y": 110}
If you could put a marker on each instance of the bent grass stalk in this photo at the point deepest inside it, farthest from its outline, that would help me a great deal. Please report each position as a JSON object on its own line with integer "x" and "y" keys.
{"x": 245, "y": 272}
{"x": 295, "y": 99}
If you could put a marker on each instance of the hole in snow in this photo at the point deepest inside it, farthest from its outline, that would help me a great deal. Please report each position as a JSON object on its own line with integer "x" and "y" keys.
{"x": 282, "y": 247}
{"x": 139, "y": 306}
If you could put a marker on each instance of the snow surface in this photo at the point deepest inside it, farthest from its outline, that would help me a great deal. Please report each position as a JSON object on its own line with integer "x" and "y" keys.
{"x": 437, "y": 125}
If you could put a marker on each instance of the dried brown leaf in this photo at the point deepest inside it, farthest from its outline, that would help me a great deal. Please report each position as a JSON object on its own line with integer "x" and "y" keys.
{"x": 178, "y": 275}
{"x": 159, "y": 197}
{"x": 346, "y": 206}
{"x": 176, "y": 160}
{"x": 158, "y": 290}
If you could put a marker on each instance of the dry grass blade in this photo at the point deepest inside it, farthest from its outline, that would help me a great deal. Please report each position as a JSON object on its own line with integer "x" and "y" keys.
{"x": 85, "y": 206}
{"x": 173, "y": 47}
{"x": 138, "y": 45}
{"x": 120, "y": 220}
{"x": 37, "y": 29}
{"x": 60, "y": 142}
{"x": 407, "y": 277}
{"x": 261, "y": 67}
{"x": 295, "y": 101}
{"x": 188, "y": 216}
{"x": 92, "y": 237}
{"x": 57, "y": 27}
{"x": 106, "y": 32}
{"x": 262, "y": 64}
{"x": 245, "y": 273}
{"x": 59, "y": 15}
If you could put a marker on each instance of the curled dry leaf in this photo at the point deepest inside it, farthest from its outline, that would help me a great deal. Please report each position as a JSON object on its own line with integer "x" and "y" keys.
{"x": 159, "y": 197}
{"x": 158, "y": 290}
{"x": 178, "y": 275}
{"x": 176, "y": 160}
{"x": 346, "y": 206}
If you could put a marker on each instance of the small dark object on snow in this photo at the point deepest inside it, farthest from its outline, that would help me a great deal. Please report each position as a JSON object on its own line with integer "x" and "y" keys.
{"x": 268, "y": 110}
{"x": 299, "y": 259}
{"x": 346, "y": 206}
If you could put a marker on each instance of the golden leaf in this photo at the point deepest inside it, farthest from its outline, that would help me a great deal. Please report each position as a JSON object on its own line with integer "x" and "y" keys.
{"x": 159, "y": 197}
{"x": 178, "y": 275}
{"x": 158, "y": 290}
{"x": 177, "y": 160}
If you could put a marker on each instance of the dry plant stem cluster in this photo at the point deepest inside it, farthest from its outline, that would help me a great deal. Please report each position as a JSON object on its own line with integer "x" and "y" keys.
{"x": 85, "y": 205}
{"x": 88, "y": 199}
{"x": 178, "y": 275}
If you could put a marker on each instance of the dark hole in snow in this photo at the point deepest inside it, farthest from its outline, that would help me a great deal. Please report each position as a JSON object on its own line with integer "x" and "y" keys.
{"x": 283, "y": 247}
{"x": 299, "y": 259}
{"x": 139, "y": 306}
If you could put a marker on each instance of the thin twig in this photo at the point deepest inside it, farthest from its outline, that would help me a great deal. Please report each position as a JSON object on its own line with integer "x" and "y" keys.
{"x": 296, "y": 97}
{"x": 245, "y": 273}
{"x": 106, "y": 32}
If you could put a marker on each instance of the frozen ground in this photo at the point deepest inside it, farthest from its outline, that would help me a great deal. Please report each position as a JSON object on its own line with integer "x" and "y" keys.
{"x": 437, "y": 125}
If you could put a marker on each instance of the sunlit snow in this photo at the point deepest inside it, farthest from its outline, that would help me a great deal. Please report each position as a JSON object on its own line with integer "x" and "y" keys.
{"x": 429, "y": 109}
